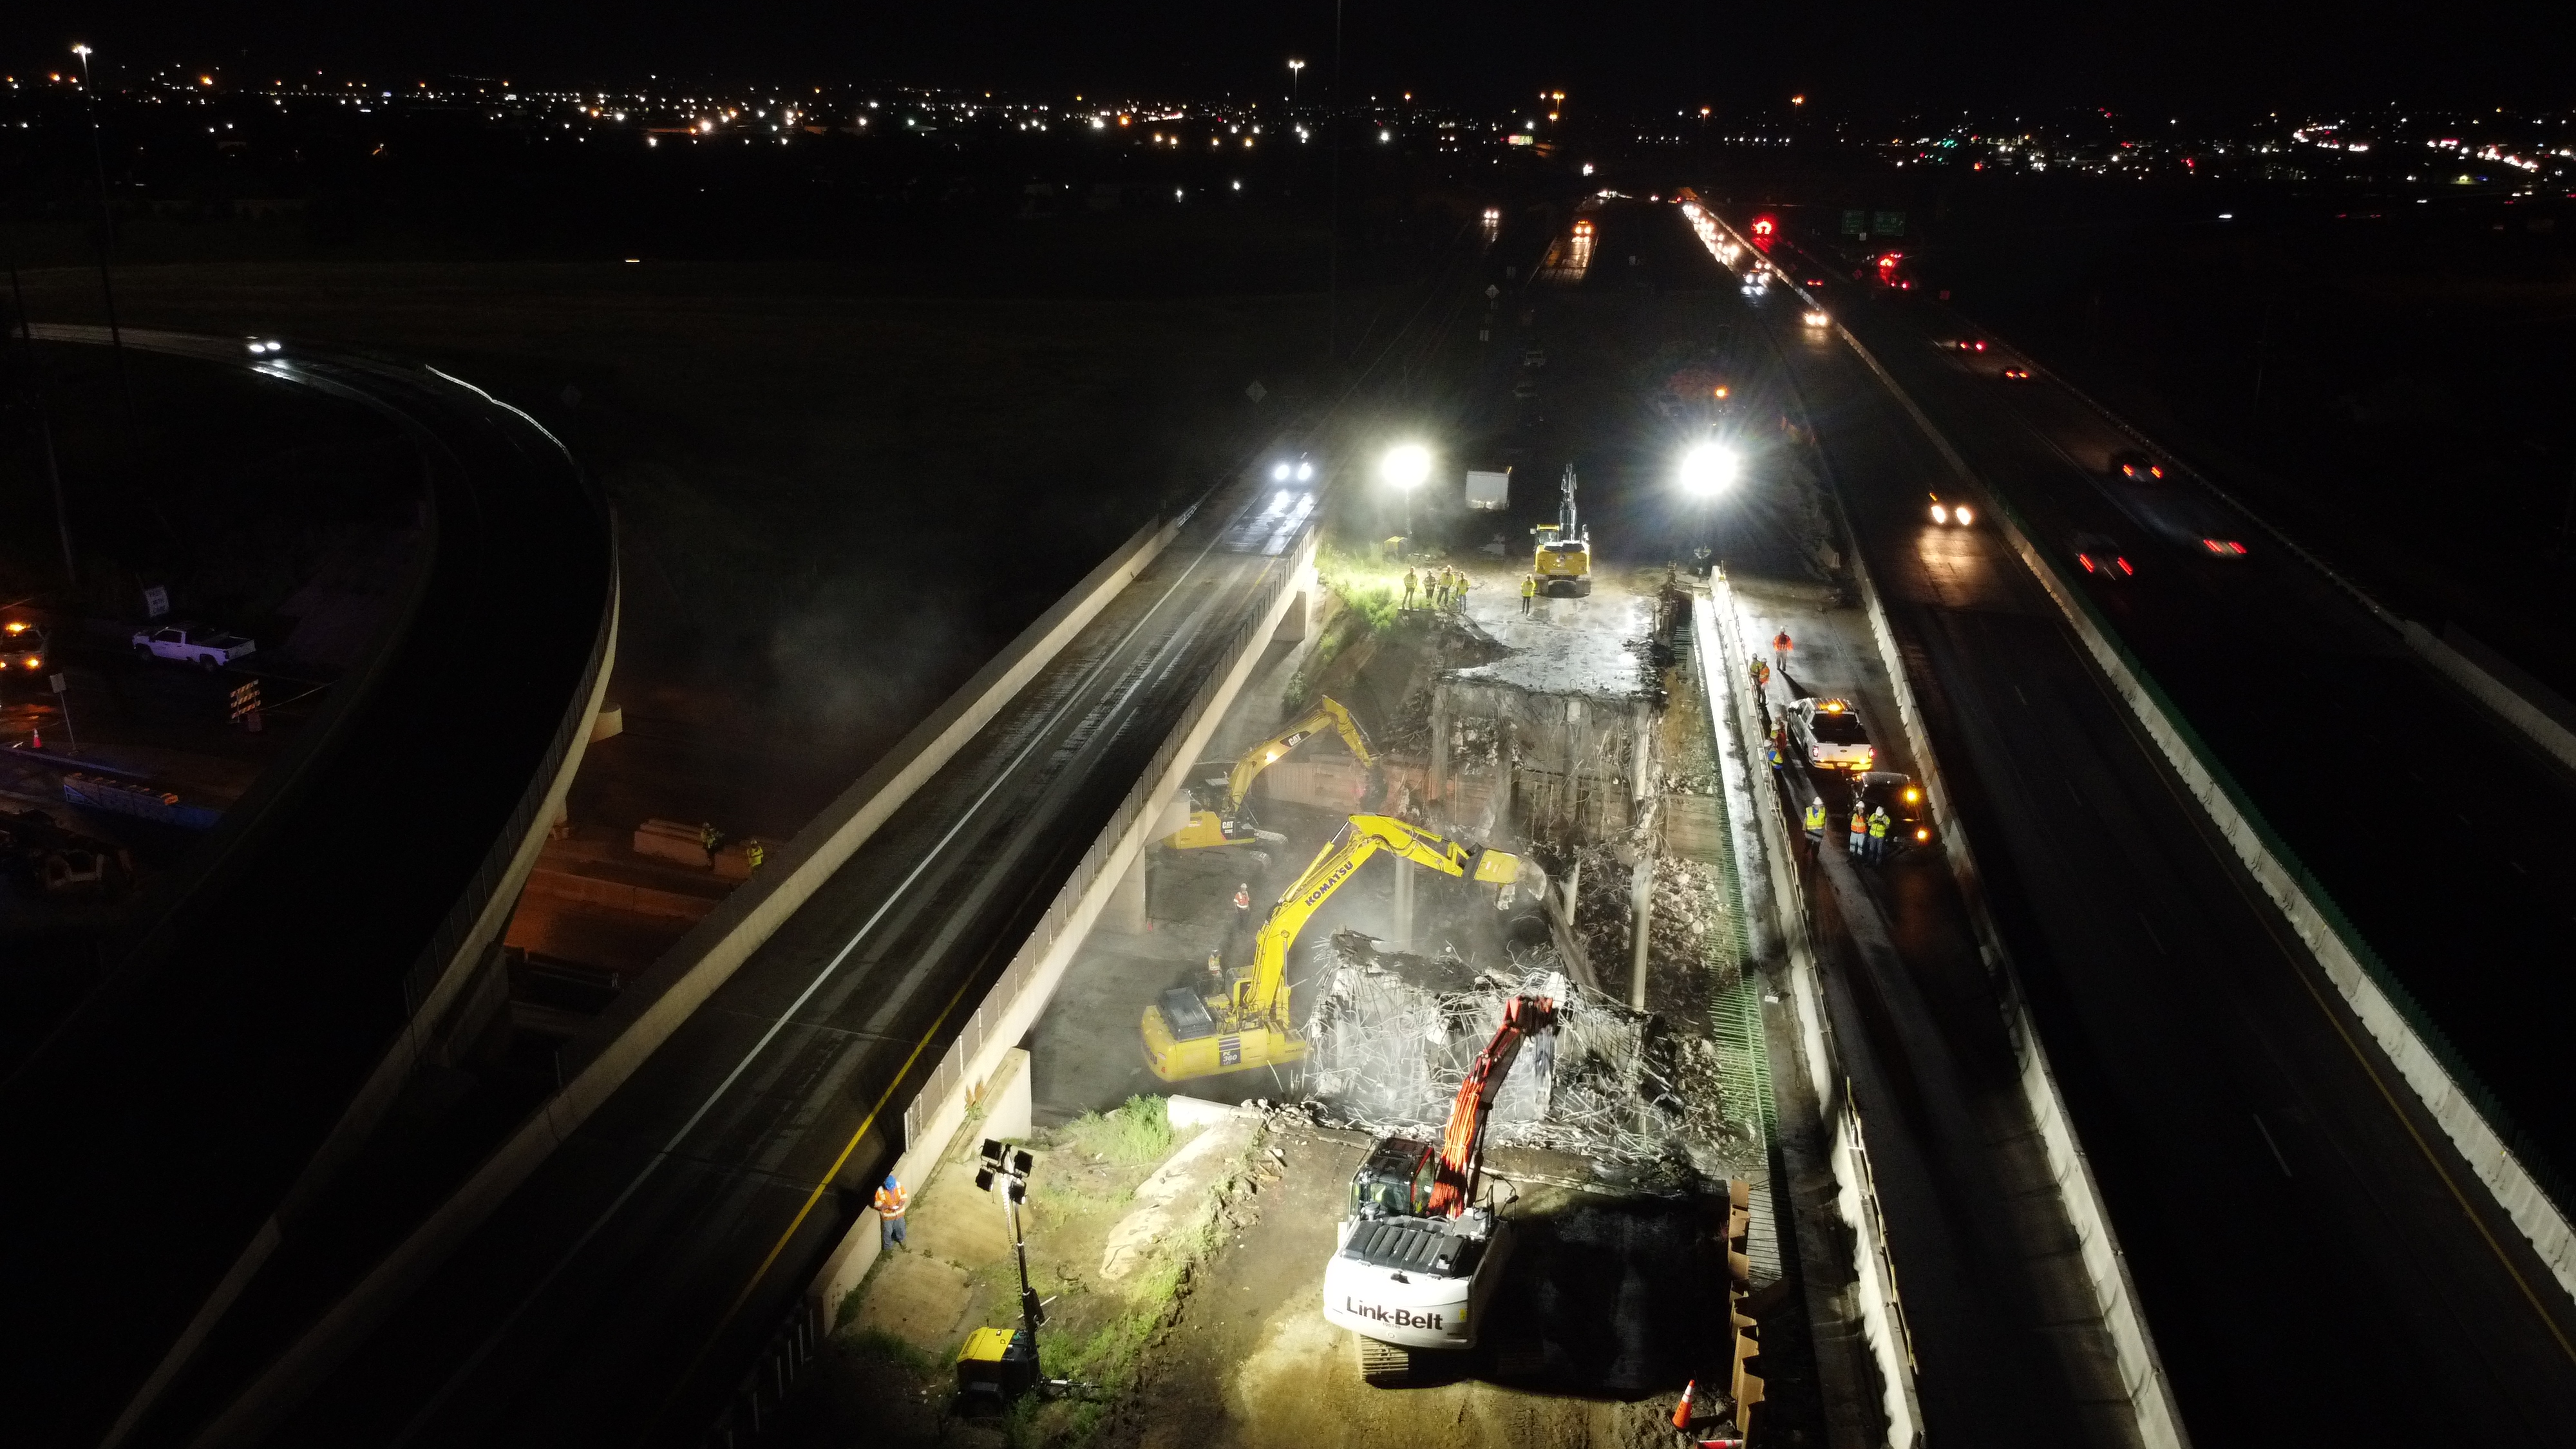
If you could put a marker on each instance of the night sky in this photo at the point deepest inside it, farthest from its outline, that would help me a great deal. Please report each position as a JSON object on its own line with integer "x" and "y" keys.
{"x": 2189, "y": 57}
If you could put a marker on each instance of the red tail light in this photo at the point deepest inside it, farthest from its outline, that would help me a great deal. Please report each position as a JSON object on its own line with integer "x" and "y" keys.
{"x": 2085, "y": 559}
{"x": 2124, "y": 567}
{"x": 2226, "y": 546}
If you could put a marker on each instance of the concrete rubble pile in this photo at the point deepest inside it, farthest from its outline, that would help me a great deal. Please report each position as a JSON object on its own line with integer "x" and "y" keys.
{"x": 1394, "y": 1034}
{"x": 1691, "y": 932}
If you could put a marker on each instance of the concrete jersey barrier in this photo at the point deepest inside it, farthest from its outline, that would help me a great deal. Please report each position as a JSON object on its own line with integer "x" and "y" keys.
{"x": 1878, "y": 1305}
{"x": 2383, "y": 1005}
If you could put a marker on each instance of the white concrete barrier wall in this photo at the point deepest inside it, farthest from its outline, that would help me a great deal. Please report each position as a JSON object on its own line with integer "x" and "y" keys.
{"x": 1878, "y": 1305}
{"x": 2106, "y": 1268}
{"x": 2543, "y": 1221}
{"x": 2492, "y": 692}
{"x": 1024, "y": 990}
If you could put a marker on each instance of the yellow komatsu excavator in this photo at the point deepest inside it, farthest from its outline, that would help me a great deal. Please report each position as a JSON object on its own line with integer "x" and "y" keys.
{"x": 1228, "y": 826}
{"x": 1247, "y": 1024}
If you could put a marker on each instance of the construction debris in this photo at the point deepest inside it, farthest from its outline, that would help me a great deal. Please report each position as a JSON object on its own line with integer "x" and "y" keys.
{"x": 1394, "y": 1034}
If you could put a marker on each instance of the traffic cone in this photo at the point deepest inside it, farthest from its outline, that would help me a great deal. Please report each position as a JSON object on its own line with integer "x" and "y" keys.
{"x": 35, "y": 737}
{"x": 1681, "y": 1411}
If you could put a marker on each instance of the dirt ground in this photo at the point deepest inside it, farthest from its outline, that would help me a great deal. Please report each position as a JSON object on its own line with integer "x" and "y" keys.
{"x": 1613, "y": 1291}
{"x": 1122, "y": 1208}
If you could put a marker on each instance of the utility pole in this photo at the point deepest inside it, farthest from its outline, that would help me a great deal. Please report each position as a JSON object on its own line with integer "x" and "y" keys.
{"x": 107, "y": 246}
{"x": 44, "y": 423}
{"x": 1333, "y": 254}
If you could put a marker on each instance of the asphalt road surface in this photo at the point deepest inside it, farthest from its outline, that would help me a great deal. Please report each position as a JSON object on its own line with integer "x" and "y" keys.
{"x": 2316, "y": 1263}
{"x": 2347, "y": 740}
{"x": 618, "y": 1295}
{"x": 2006, "y": 1336}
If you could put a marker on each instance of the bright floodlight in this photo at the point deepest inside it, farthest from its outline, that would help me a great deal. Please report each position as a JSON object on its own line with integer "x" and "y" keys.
{"x": 1709, "y": 468}
{"x": 1406, "y": 465}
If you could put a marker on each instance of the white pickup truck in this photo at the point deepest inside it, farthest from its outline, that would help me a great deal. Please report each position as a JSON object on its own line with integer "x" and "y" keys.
{"x": 192, "y": 644}
{"x": 1832, "y": 735}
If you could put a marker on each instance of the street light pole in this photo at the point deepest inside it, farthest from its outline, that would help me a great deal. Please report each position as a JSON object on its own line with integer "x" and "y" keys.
{"x": 44, "y": 422}
{"x": 1296, "y": 75}
{"x": 106, "y": 244}
{"x": 1333, "y": 261}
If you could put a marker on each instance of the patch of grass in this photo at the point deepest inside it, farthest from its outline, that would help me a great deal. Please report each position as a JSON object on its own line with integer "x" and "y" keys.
{"x": 1138, "y": 1131}
{"x": 877, "y": 1343}
{"x": 1366, "y": 586}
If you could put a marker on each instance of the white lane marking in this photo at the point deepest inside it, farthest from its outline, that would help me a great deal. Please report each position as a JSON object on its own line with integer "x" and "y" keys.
{"x": 2275, "y": 1146}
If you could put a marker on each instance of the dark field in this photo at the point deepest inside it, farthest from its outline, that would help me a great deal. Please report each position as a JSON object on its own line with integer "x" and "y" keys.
{"x": 834, "y": 503}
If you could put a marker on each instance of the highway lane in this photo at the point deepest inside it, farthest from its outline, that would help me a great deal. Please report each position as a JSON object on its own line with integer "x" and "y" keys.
{"x": 2005, "y": 1334}
{"x": 2316, "y": 1264}
{"x": 152, "y": 1136}
{"x": 2338, "y": 732}
{"x": 616, "y": 1297}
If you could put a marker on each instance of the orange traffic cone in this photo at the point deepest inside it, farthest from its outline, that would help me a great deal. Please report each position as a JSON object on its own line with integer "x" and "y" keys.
{"x": 1681, "y": 1411}
{"x": 35, "y": 737}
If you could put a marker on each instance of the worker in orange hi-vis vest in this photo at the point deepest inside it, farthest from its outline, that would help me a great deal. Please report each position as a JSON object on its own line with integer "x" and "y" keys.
{"x": 1780, "y": 647}
{"x": 891, "y": 1202}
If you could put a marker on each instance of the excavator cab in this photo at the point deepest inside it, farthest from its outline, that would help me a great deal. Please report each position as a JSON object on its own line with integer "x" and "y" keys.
{"x": 1396, "y": 1180}
{"x": 1419, "y": 1258}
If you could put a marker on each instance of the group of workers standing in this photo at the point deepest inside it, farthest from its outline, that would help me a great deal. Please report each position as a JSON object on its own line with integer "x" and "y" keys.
{"x": 1866, "y": 840}
{"x": 1440, "y": 588}
{"x": 1871, "y": 826}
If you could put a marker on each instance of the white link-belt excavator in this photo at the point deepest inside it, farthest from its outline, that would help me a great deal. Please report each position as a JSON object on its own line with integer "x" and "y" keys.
{"x": 1419, "y": 1256}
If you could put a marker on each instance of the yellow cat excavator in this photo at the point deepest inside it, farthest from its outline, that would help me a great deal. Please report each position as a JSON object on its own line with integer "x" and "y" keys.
{"x": 1247, "y": 1024}
{"x": 1228, "y": 826}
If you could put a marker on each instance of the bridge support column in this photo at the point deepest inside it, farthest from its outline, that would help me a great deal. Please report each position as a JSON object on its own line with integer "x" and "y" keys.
{"x": 1125, "y": 910}
{"x": 1440, "y": 741}
{"x": 1294, "y": 624}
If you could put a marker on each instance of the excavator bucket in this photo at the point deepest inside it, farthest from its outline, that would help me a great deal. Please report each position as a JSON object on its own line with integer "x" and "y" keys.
{"x": 1496, "y": 867}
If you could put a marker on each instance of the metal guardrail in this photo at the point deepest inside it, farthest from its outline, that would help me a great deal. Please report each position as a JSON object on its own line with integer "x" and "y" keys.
{"x": 744, "y": 1417}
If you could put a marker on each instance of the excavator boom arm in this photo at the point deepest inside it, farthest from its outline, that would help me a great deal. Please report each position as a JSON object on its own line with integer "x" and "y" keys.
{"x": 1271, "y": 751}
{"x": 1332, "y": 867}
{"x": 1462, "y": 1144}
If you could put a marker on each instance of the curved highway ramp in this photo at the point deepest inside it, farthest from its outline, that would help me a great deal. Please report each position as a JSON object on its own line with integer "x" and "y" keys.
{"x": 247, "y": 1037}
